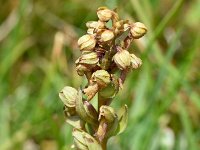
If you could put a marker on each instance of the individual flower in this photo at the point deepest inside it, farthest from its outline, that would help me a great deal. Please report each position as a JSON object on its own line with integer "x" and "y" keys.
{"x": 135, "y": 61}
{"x": 107, "y": 35}
{"x": 104, "y": 14}
{"x": 122, "y": 59}
{"x": 89, "y": 58}
{"x": 87, "y": 42}
{"x": 138, "y": 30}
{"x": 68, "y": 95}
{"x": 101, "y": 77}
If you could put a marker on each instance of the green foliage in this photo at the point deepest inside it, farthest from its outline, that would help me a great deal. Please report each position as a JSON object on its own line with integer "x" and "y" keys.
{"x": 37, "y": 50}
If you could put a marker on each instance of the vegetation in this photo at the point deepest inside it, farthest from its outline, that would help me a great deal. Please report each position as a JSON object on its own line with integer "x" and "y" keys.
{"x": 38, "y": 45}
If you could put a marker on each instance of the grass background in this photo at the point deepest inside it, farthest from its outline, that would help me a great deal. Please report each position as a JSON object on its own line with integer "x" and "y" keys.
{"x": 37, "y": 53}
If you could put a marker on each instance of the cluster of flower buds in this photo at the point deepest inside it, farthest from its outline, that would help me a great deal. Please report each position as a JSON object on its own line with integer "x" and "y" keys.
{"x": 104, "y": 52}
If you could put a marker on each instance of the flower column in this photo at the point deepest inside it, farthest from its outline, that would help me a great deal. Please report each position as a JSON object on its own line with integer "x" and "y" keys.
{"x": 105, "y": 62}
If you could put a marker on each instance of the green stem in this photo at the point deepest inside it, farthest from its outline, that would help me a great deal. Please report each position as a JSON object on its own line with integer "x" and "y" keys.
{"x": 104, "y": 144}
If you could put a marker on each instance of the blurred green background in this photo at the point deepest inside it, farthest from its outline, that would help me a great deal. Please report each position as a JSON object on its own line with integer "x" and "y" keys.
{"x": 37, "y": 53}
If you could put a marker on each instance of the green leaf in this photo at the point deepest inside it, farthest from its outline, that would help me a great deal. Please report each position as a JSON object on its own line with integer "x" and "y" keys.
{"x": 84, "y": 141}
{"x": 75, "y": 121}
{"x": 79, "y": 145}
{"x": 91, "y": 142}
{"x": 123, "y": 119}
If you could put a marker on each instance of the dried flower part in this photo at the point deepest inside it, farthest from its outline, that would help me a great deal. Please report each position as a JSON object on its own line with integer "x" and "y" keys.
{"x": 104, "y": 14}
{"x": 119, "y": 26}
{"x": 126, "y": 26}
{"x": 101, "y": 77}
{"x": 122, "y": 59}
{"x": 135, "y": 61}
{"x": 90, "y": 31}
{"x": 87, "y": 42}
{"x": 138, "y": 30}
{"x": 89, "y": 58}
{"x": 68, "y": 95}
{"x": 91, "y": 90}
{"x": 107, "y": 35}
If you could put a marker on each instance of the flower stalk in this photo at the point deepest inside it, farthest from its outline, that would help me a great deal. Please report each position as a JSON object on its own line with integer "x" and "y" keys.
{"x": 105, "y": 61}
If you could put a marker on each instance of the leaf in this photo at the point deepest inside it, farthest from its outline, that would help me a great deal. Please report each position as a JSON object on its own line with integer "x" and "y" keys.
{"x": 123, "y": 119}
{"x": 91, "y": 142}
{"x": 75, "y": 121}
{"x": 85, "y": 141}
{"x": 79, "y": 145}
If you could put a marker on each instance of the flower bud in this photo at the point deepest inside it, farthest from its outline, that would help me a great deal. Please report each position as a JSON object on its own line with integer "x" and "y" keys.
{"x": 111, "y": 90}
{"x": 101, "y": 77}
{"x": 135, "y": 61}
{"x": 104, "y": 14}
{"x": 107, "y": 35}
{"x": 122, "y": 59}
{"x": 81, "y": 69}
{"x": 108, "y": 113}
{"x": 87, "y": 42}
{"x": 107, "y": 116}
{"x": 68, "y": 95}
{"x": 138, "y": 29}
{"x": 90, "y": 58}
{"x": 95, "y": 24}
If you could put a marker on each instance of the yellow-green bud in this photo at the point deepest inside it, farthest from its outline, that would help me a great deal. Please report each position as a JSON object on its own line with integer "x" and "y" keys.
{"x": 104, "y": 14}
{"x": 111, "y": 90}
{"x": 81, "y": 69}
{"x": 68, "y": 95}
{"x": 95, "y": 24}
{"x": 122, "y": 59}
{"x": 87, "y": 42}
{"x": 90, "y": 58}
{"x": 138, "y": 29}
{"x": 108, "y": 113}
{"x": 135, "y": 61}
{"x": 101, "y": 77}
{"x": 107, "y": 35}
